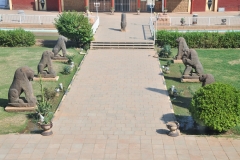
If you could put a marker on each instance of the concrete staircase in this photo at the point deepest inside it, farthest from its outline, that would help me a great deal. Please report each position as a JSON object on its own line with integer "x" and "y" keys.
{"x": 122, "y": 45}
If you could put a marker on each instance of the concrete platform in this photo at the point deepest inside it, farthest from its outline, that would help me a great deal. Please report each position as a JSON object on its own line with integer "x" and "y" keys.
{"x": 20, "y": 109}
{"x": 46, "y": 79}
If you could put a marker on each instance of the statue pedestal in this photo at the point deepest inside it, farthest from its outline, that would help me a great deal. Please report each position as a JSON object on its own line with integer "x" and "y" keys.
{"x": 46, "y": 79}
{"x": 188, "y": 78}
{"x": 20, "y": 109}
{"x": 60, "y": 59}
{"x": 177, "y": 61}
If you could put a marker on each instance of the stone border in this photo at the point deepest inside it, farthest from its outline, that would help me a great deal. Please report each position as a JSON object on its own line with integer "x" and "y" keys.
{"x": 69, "y": 86}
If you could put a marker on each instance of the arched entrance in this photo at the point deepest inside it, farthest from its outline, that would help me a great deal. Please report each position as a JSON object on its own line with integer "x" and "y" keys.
{"x": 210, "y": 5}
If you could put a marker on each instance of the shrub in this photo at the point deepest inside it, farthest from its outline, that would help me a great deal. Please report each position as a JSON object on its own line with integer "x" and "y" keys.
{"x": 70, "y": 58}
{"x": 165, "y": 52}
{"x": 200, "y": 39}
{"x": 66, "y": 70}
{"x": 74, "y": 26}
{"x": 16, "y": 38}
{"x": 216, "y": 106}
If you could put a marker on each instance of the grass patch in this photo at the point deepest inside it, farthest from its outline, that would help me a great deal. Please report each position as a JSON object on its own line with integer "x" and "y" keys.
{"x": 13, "y": 58}
{"x": 223, "y": 64}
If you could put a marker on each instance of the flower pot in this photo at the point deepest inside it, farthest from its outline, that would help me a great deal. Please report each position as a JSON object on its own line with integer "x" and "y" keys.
{"x": 138, "y": 12}
{"x": 47, "y": 129}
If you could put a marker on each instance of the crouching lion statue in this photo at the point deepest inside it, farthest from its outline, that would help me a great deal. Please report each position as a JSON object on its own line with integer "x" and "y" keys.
{"x": 182, "y": 46}
{"x": 191, "y": 62}
{"x": 21, "y": 83}
{"x": 46, "y": 62}
{"x": 206, "y": 79}
{"x": 60, "y": 46}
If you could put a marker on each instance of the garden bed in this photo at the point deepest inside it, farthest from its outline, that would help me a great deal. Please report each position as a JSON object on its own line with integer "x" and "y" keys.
{"x": 224, "y": 64}
{"x": 13, "y": 58}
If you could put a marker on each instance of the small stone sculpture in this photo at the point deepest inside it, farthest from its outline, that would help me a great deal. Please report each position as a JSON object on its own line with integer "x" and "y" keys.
{"x": 191, "y": 61}
{"x": 182, "y": 46}
{"x": 206, "y": 79}
{"x": 60, "y": 46}
{"x": 173, "y": 126}
{"x": 46, "y": 62}
{"x": 123, "y": 22}
{"x": 21, "y": 83}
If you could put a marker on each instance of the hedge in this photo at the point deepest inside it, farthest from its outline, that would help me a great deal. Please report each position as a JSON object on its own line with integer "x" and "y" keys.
{"x": 199, "y": 39}
{"x": 216, "y": 106}
{"x": 16, "y": 38}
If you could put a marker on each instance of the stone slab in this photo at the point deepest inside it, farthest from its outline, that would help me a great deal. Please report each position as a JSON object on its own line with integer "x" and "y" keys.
{"x": 190, "y": 80}
{"x": 59, "y": 60}
{"x": 20, "y": 109}
{"x": 177, "y": 61}
{"x": 46, "y": 79}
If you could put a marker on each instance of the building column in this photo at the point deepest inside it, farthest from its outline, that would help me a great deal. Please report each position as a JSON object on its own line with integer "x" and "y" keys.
{"x": 59, "y": 6}
{"x": 191, "y": 8}
{"x": 86, "y": 3}
{"x": 112, "y": 3}
{"x": 10, "y": 4}
{"x": 139, "y": 4}
{"x": 165, "y": 4}
{"x": 215, "y": 5}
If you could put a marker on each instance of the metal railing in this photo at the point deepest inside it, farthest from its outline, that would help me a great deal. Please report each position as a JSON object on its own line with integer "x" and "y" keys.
{"x": 205, "y": 21}
{"x": 95, "y": 25}
{"x": 30, "y": 19}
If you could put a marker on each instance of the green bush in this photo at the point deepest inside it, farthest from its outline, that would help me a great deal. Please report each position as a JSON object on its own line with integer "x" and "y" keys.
{"x": 74, "y": 26}
{"x": 216, "y": 106}
{"x": 165, "y": 52}
{"x": 200, "y": 39}
{"x": 66, "y": 70}
{"x": 16, "y": 38}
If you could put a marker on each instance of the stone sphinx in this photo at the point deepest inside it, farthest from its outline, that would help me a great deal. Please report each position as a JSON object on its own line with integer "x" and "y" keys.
{"x": 182, "y": 46}
{"x": 206, "y": 79}
{"x": 46, "y": 62}
{"x": 21, "y": 83}
{"x": 61, "y": 45}
{"x": 193, "y": 67}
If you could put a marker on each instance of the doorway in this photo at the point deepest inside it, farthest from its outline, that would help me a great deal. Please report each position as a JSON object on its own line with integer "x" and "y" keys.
{"x": 105, "y": 5}
{"x": 125, "y": 5}
{"x": 210, "y": 5}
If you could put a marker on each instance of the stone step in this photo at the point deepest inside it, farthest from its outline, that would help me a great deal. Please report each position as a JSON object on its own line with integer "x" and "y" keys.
{"x": 122, "y": 45}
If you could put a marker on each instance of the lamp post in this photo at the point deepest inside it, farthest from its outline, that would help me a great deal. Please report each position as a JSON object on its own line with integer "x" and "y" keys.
{"x": 151, "y": 5}
{"x": 97, "y": 4}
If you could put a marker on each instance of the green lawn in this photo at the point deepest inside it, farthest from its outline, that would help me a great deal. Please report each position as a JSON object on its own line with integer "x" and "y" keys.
{"x": 223, "y": 64}
{"x": 13, "y": 58}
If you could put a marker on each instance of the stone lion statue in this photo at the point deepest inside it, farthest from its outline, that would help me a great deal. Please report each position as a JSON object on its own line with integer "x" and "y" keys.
{"x": 182, "y": 46}
{"x": 46, "y": 62}
{"x": 206, "y": 79}
{"x": 21, "y": 83}
{"x": 191, "y": 61}
{"x": 61, "y": 45}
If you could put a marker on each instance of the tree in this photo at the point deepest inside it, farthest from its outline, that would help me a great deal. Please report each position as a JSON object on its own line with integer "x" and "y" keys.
{"x": 75, "y": 26}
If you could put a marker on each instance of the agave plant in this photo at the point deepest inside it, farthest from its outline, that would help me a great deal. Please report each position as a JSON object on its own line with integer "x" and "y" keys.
{"x": 165, "y": 52}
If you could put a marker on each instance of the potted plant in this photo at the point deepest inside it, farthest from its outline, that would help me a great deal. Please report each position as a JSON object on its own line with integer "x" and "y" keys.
{"x": 165, "y": 11}
{"x": 87, "y": 10}
{"x": 45, "y": 113}
{"x": 182, "y": 21}
{"x": 112, "y": 9}
{"x": 138, "y": 11}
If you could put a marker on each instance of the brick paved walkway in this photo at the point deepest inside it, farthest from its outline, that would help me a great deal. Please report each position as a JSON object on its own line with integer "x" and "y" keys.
{"x": 116, "y": 109}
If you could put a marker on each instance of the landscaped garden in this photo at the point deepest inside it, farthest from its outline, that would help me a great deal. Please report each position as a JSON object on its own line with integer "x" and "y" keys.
{"x": 13, "y": 58}
{"x": 17, "y": 51}
{"x": 223, "y": 64}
